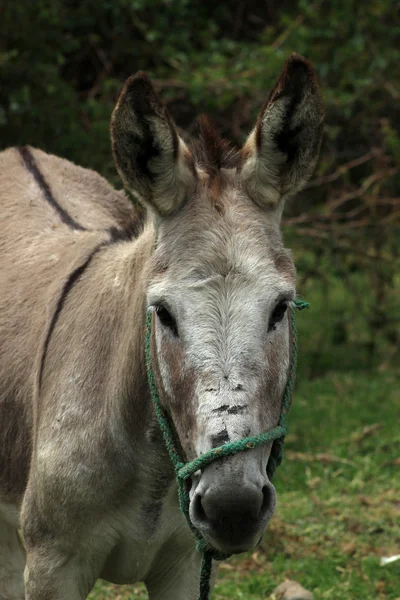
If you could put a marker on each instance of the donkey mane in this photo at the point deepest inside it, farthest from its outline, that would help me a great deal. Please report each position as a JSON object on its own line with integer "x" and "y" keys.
{"x": 211, "y": 151}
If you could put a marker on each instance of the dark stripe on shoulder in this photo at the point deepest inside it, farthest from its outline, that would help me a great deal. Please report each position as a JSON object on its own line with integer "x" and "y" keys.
{"x": 72, "y": 279}
{"x": 30, "y": 164}
{"x": 126, "y": 234}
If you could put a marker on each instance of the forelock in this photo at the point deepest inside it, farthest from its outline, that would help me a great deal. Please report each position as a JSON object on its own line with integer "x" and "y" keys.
{"x": 211, "y": 151}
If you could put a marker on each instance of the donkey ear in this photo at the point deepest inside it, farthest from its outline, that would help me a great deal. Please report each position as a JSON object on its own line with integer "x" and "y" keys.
{"x": 151, "y": 158}
{"x": 282, "y": 150}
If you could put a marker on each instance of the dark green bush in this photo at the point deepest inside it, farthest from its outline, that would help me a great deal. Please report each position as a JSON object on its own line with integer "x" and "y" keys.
{"x": 63, "y": 62}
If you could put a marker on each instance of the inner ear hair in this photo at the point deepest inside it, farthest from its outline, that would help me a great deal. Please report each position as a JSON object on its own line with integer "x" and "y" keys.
{"x": 280, "y": 154}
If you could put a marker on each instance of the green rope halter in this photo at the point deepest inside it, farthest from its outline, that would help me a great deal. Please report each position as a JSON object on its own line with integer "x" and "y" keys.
{"x": 184, "y": 471}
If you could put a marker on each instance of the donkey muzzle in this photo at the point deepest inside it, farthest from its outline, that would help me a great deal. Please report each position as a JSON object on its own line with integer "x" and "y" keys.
{"x": 231, "y": 504}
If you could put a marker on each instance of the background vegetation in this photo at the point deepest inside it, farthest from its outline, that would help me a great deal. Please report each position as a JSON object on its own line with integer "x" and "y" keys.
{"x": 62, "y": 64}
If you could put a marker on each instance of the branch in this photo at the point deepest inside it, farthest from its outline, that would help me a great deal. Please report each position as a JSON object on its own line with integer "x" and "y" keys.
{"x": 344, "y": 169}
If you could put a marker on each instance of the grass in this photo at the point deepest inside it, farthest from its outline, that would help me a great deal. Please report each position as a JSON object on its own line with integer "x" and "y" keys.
{"x": 339, "y": 498}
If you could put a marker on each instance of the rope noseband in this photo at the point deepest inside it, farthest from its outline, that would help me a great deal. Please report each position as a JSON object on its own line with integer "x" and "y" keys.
{"x": 184, "y": 471}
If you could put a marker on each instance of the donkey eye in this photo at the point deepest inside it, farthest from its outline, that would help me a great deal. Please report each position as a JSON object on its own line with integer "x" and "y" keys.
{"x": 277, "y": 315}
{"x": 166, "y": 319}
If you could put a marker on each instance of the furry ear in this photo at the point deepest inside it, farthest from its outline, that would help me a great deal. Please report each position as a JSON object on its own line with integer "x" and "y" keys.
{"x": 282, "y": 150}
{"x": 151, "y": 158}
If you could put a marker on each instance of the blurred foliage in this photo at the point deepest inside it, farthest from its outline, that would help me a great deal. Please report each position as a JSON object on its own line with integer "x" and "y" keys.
{"x": 62, "y": 64}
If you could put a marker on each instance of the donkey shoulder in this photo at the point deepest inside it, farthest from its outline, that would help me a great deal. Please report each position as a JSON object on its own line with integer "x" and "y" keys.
{"x": 54, "y": 215}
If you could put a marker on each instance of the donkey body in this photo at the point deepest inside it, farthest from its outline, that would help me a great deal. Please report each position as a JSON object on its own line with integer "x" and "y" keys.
{"x": 83, "y": 468}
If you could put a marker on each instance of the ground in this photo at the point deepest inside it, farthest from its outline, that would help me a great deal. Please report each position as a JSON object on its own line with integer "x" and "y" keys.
{"x": 339, "y": 498}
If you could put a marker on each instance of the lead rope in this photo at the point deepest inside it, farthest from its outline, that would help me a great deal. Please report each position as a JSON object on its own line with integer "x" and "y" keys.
{"x": 183, "y": 471}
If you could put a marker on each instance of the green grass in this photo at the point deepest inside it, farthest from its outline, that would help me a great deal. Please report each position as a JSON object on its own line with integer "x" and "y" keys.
{"x": 338, "y": 494}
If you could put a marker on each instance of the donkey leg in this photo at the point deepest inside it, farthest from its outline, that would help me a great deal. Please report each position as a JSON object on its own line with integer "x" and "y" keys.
{"x": 59, "y": 564}
{"x": 51, "y": 575}
{"x": 12, "y": 563}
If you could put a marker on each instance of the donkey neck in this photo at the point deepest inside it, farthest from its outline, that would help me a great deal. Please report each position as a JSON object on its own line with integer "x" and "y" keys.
{"x": 94, "y": 349}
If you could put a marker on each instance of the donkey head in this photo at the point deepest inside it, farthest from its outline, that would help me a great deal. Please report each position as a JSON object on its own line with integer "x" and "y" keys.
{"x": 221, "y": 281}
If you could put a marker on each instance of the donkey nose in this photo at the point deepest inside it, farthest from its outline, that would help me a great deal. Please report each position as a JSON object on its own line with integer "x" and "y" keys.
{"x": 247, "y": 505}
{"x": 233, "y": 520}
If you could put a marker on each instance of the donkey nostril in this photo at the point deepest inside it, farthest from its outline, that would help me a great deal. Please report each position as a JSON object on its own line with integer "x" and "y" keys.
{"x": 268, "y": 503}
{"x": 198, "y": 509}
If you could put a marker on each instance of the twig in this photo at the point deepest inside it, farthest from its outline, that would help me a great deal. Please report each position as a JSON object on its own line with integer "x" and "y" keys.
{"x": 344, "y": 169}
{"x": 320, "y": 457}
{"x": 374, "y": 178}
{"x": 285, "y": 34}
{"x": 168, "y": 83}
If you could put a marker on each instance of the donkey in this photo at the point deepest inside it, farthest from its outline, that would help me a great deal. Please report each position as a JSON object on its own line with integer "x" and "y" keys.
{"x": 84, "y": 472}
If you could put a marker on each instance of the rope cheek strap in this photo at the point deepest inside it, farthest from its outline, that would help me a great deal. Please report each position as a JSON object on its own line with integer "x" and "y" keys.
{"x": 184, "y": 471}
